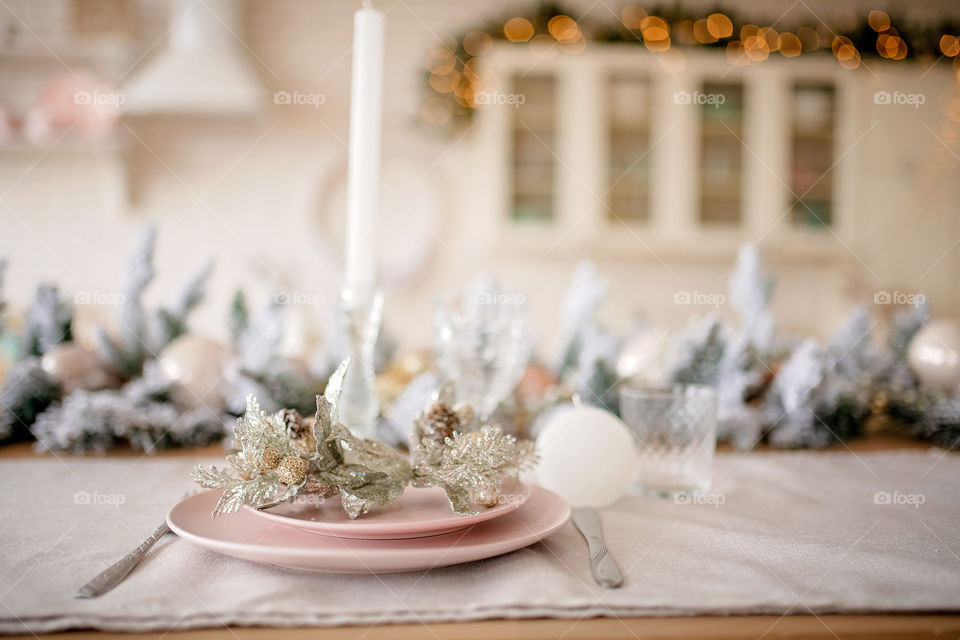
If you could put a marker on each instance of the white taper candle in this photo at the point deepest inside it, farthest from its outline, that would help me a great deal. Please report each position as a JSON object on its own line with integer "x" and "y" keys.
{"x": 363, "y": 187}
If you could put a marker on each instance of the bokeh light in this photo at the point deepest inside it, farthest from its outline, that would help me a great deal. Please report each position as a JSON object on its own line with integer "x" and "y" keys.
{"x": 632, "y": 15}
{"x": 789, "y": 45}
{"x": 518, "y": 30}
{"x": 702, "y": 33}
{"x": 878, "y": 20}
{"x": 477, "y": 43}
{"x": 563, "y": 29}
{"x": 719, "y": 25}
{"x": 949, "y": 45}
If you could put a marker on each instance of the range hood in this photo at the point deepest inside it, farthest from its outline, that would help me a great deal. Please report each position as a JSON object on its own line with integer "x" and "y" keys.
{"x": 203, "y": 68}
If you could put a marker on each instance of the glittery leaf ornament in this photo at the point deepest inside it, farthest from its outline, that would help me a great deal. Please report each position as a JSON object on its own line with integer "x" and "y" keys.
{"x": 273, "y": 462}
{"x": 466, "y": 465}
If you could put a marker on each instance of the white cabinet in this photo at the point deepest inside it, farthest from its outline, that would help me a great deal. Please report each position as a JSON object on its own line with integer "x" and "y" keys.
{"x": 617, "y": 150}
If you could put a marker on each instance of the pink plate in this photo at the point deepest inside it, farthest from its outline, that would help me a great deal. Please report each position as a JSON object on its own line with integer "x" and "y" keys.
{"x": 419, "y": 512}
{"x": 244, "y": 535}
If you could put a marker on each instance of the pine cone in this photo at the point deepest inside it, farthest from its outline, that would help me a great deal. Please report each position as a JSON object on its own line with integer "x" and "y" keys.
{"x": 269, "y": 459}
{"x": 294, "y": 422}
{"x": 440, "y": 422}
{"x": 292, "y": 470}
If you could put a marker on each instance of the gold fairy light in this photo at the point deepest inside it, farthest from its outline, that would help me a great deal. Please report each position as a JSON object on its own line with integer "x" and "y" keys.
{"x": 471, "y": 69}
{"x": 770, "y": 38}
{"x": 441, "y": 61}
{"x": 878, "y": 20}
{"x": 789, "y": 45}
{"x": 808, "y": 38}
{"x": 518, "y": 30}
{"x": 846, "y": 53}
{"x": 702, "y": 33}
{"x": 748, "y": 30}
{"x": 887, "y": 45}
{"x": 563, "y": 29}
{"x": 949, "y": 45}
{"x": 632, "y": 15}
{"x": 719, "y": 26}
{"x": 735, "y": 53}
{"x": 444, "y": 82}
{"x": 656, "y": 33}
{"x": 654, "y": 28}
{"x": 477, "y": 43}
{"x": 839, "y": 41}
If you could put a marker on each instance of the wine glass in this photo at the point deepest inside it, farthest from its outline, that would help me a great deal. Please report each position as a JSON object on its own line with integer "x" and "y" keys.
{"x": 483, "y": 344}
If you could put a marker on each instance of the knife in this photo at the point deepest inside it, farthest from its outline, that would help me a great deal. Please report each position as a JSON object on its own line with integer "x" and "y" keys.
{"x": 604, "y": 569}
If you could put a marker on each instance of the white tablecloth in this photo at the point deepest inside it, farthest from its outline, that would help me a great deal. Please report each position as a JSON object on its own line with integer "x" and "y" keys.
{"x": 783, "y": 533}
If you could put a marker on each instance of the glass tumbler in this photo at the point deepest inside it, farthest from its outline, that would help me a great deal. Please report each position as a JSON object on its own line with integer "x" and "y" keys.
{"x": 675, "y": 431}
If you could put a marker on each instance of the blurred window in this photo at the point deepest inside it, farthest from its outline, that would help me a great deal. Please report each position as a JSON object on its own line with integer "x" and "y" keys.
{"x": 813, "y": 123}
{"x": 534, "y": 137}
{"x": 721, "y": 152}
{"x": 628, "y": 102}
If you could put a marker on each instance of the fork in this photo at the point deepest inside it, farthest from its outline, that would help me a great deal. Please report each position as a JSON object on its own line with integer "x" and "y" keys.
{"x": 115, "y": 573}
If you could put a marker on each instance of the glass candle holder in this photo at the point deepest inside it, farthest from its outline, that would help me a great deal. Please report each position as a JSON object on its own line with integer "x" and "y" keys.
{"x": 482, "y": 346}
{"x": 675, "y": 431}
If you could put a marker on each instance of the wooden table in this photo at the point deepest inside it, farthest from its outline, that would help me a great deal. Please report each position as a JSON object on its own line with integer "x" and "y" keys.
{"x": 795, "y": 627}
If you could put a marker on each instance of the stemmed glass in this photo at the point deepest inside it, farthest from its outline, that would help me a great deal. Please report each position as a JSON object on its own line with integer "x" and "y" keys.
{"x": 483, "y": 344}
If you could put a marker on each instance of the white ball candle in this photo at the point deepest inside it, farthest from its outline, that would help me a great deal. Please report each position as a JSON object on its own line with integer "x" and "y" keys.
{"x": 587, "y": 456}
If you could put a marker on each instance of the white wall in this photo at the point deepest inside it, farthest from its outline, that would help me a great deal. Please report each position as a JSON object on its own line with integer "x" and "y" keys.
{"x": 250, "y": 193}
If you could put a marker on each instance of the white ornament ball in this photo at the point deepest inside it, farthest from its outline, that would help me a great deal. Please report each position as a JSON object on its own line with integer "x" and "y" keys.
{"x": 641, "y": 359}
{"x": 196, "y": 365}
{"x": 934, "y": 355}
{"x": 74, "y": 367}
{"x": 587, "y": 456}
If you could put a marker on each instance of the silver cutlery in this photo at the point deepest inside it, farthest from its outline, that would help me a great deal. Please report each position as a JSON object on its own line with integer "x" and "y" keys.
{"x": 602, "y": 566}
{"x": 115, "y": 573}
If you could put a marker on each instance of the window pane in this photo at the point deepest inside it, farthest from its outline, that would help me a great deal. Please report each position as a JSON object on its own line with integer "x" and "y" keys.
{"x": 533, "y": 140}
{"x": 721, "y": 152}
{"x": 629, "y": 169}
{"x": 813, "y": 124}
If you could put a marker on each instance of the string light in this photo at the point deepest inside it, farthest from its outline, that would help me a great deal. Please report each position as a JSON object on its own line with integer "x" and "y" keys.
{"x": 949, "y": 45}
{"x": 477, "y": 43}
{"x": 518, "y": 30}
{"x": 878, "y": 20}
{"x": 455, "y": 72}
{"x": 702, "y": 33}
{"x": 632, "y": 15}
{"x": 789, "y": 45}
{"x": 563, "y": 29}
{"x": 719, "y": 25}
